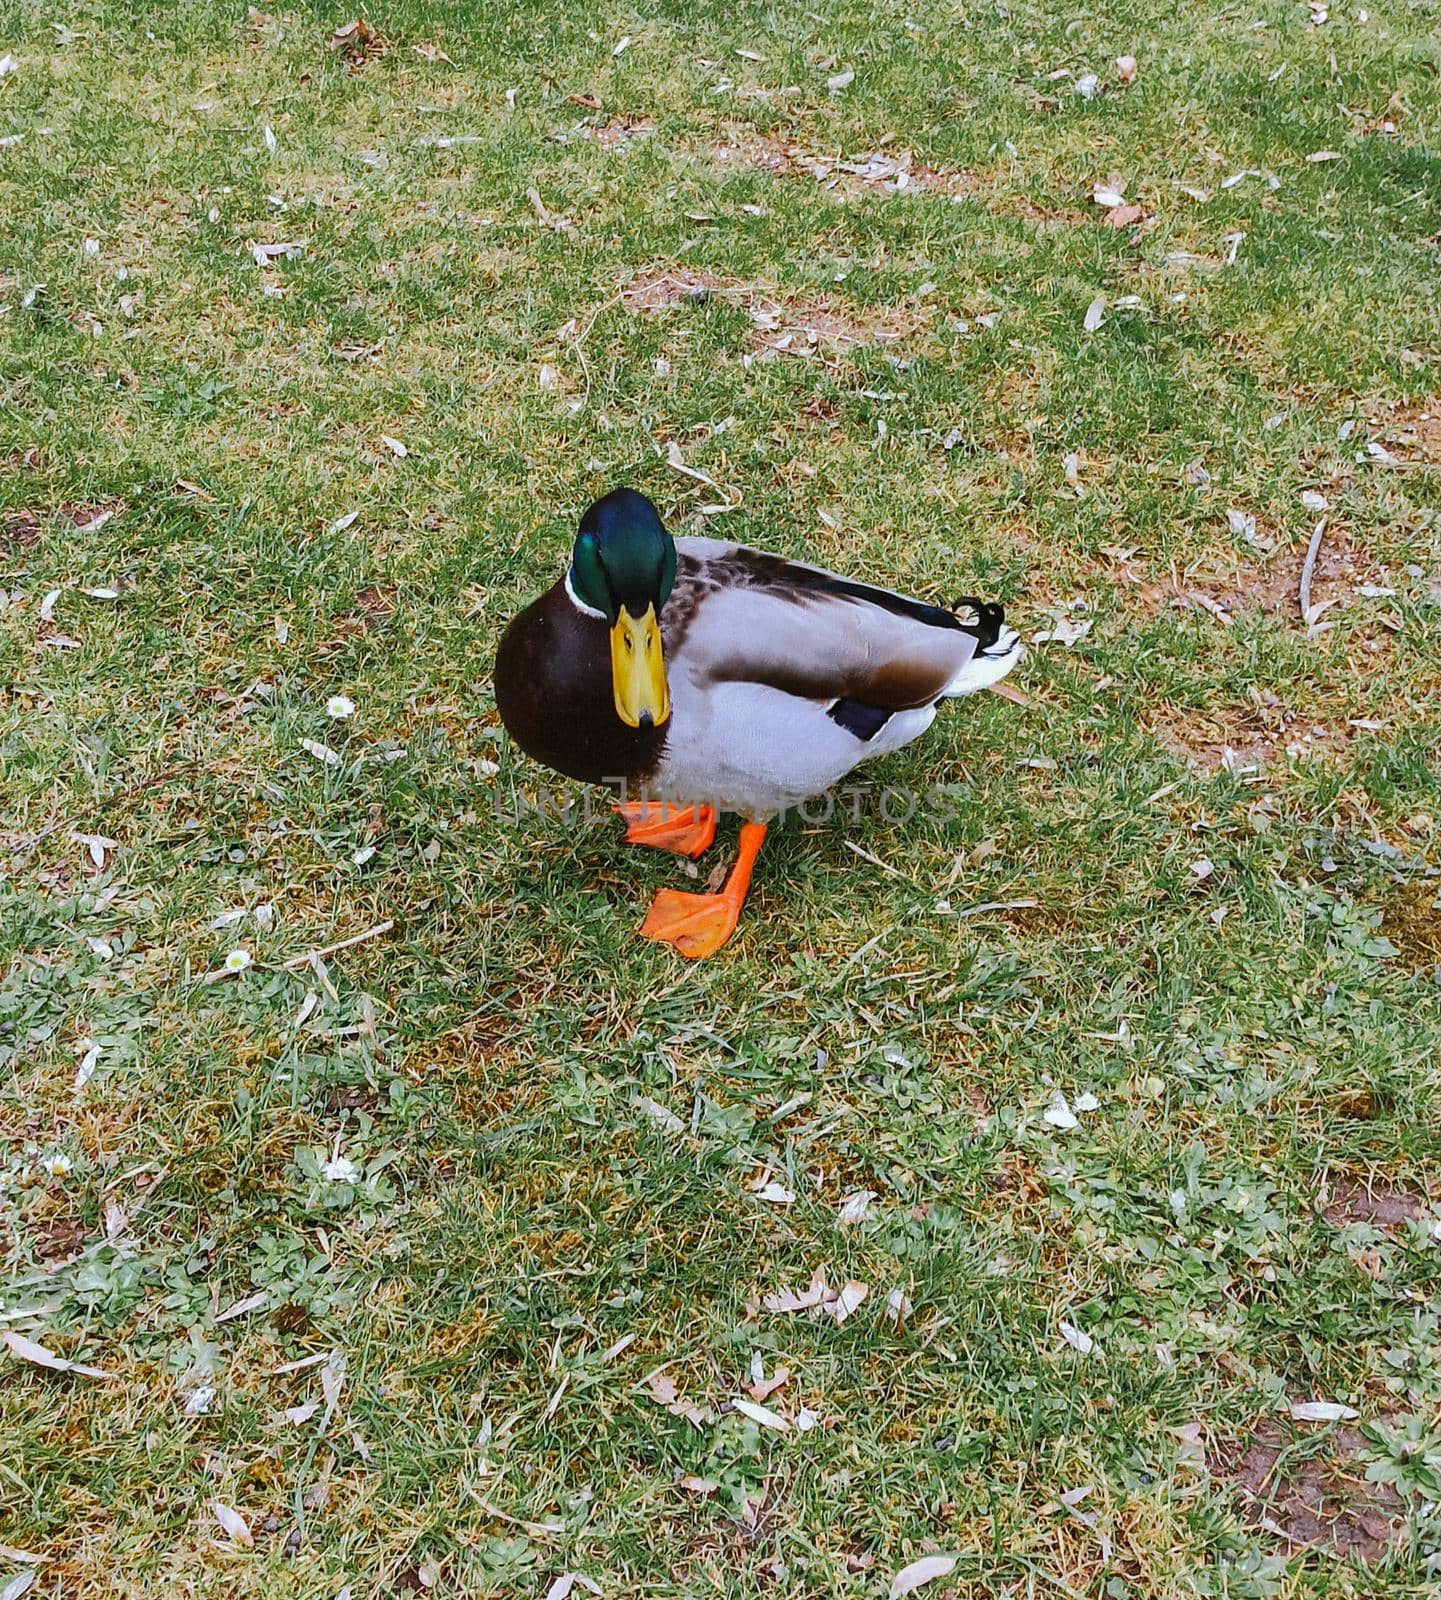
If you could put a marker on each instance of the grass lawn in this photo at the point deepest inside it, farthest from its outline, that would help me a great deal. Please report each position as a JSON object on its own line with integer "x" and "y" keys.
{"x": 439, "y": 1262}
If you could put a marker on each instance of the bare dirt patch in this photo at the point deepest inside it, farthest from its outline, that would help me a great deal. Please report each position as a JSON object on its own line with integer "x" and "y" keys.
{"x": 669, "y": 287}
{"x": 881, "y": 171}
{"x": 19, "y": 530}
{"x": 1411, "y": 433}
{"x": 1271, "y": 584}
{"x": 1245, "y": 739}
{"x": 621, "y": 131}
{"x": 1384, "y": 1207}
{"x": 1309, "y": 1488}
{"x": 778, "y": 326}
{"x": 1412, "y": 922}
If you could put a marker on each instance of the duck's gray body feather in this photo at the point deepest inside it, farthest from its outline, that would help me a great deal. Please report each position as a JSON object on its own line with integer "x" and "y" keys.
{"x": 784, "y": 678}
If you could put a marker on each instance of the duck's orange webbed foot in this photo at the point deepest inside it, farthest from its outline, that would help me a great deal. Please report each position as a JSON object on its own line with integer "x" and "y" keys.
{"x": 699, "y": 924}
{"x": 687, "y": 832}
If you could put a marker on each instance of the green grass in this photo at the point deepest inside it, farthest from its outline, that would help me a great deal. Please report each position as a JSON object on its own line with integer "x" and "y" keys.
{"x": 1254, "y": 1038}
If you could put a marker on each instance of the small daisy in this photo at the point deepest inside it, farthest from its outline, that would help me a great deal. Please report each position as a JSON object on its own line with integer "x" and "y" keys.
{"x": 339, "y": 707}
{"x": 341, "y": 1169}
{"x": 237, "y": 961}
{"x": 59, "y": 1166}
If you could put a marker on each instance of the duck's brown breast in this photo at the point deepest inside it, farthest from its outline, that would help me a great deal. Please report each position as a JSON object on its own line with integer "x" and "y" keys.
{"x": 553, "y": 690}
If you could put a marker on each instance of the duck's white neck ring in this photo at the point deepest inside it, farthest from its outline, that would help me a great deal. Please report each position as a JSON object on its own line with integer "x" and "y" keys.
{"x": 577, "y": 602}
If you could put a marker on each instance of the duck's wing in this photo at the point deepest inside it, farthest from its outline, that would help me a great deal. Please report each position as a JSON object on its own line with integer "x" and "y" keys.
{"x": 740, "y": 615}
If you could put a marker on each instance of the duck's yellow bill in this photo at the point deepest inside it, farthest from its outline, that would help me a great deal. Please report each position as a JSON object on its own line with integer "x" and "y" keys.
{"x": 637, "y": 668}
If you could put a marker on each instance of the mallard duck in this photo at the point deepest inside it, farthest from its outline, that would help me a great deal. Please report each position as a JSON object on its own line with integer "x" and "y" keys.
{"x": 693, "y": 676}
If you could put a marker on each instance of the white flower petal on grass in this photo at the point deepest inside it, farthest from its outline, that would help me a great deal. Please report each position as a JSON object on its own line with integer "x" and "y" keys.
{"x": 1094, "y": 313}
{"x": 8, "y": 64}
{"x": 1086, "y": 1102}
{"x": 200, "y": 1400}
{"x": 238, "y": 960}
{"x": 564, "y": 1586}
{"x": 761, "y": 1414}
{"x": 339, "y": 706}
{"x": 1087, "y": 85}
{"x": 59, "y": 1165}
{"x": 1059, "y": 1114}
{"x": 898, "y": 1305}
{"x": 917, "y": 1573}
{"x": 233, "y": 1523}
{"x": 361, "y": 856}
{"x": 1079, "y": 1340}
{"x": 854, "y": 1207}
{"x": 1126, "y": 68}
{"x": 86, "y": 1069}
{"x": 1323, "y": 155}
{"x": 777, "y": 1194}
{"x": 1322, "y": 1411}
{"x": 1313, "y": 500}
{"x": 1109, "y": 194}
{"x": 269, "y": 136}
{"x": 340, "y": 1169}
{"x": 842, "y": 80}
{"x": 321, "y": 752}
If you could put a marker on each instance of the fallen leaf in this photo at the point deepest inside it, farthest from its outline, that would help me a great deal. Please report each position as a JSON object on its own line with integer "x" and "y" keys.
{"x": 799, "y": 1299}
{"x": 22, "y": 1580}
{"x": 854, "y": 1207}
{"x": 1094, "y": 313}
{"x": 761, "y": 1414}
{"x": 1324, "y": 155}
{"x": 566, "y": 1582}
{"x": 918, "y": 1573}
{"x": 1064, "y": 631}
{"x": 321, "y": 752}
{"x": 1126, "y": 68}
{"x": 841, "y": 80}
{"x": 1110, "y": 193}
{"x": 777, "y": 1194}
{"x": 395, "y": 447}
{"x": 233, "y": 1523}
{"x": 265, "y": 255}
{"x": 694, "y": 1485}
{"x": 1322, "y": 1411}
{"x": 28, "y": 1350}
{"x": 1077, "y": 1338}
{"x": 659, "y": 1114}
{"x": 763, "y": 1388}
{"x": 850, "y": 1296}
{"x": 663, "y": 1388}
{"x": 1123, "y": 216}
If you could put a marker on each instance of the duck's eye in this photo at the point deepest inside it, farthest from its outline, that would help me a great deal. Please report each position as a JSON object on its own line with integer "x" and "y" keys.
{"x": 629, "y": 645}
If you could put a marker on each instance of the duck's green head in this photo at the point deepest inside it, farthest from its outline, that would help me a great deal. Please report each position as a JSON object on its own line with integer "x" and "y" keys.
{"x": 623, "y": 567}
